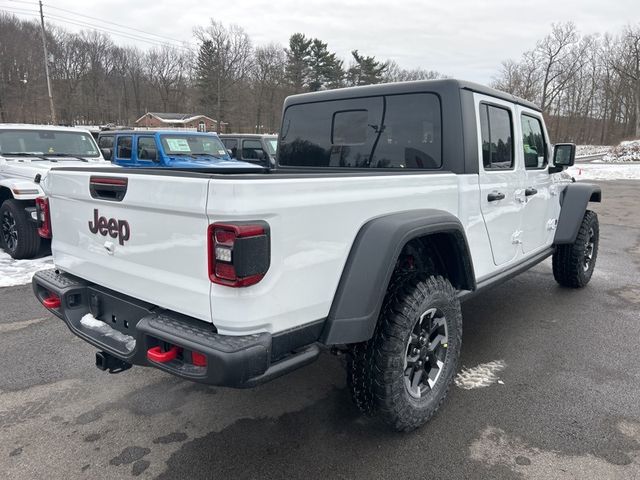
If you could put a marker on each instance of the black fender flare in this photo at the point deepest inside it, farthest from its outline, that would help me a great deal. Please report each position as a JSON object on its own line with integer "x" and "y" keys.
{"x": 573, "y": 204}
{"x": 370, "y": 264}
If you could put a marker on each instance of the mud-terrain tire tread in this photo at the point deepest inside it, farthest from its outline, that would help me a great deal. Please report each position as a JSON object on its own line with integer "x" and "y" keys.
{"x": 392, "y": 402}
{"x": 568, "y": 259}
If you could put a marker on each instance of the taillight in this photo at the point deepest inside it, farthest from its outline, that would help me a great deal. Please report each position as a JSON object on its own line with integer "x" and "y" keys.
{"x": 239, "y": 253}
{"x": 44, "y": 217}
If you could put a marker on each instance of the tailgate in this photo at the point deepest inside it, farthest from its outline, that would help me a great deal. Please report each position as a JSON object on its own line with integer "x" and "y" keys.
{"x": 150, "y": 244}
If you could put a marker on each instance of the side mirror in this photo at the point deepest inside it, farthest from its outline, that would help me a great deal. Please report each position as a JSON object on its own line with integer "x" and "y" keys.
{"x": 230, "y": 152}
{"x": 564, "y": 155}
{"x": 107, "y": 153}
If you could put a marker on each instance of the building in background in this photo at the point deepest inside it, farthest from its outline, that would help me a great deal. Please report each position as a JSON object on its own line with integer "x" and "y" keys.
{"x": 190, "y": 121}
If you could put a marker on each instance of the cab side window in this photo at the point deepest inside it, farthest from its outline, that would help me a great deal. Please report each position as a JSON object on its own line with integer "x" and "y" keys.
{"x": 252, "y": 150}
{"x": 497, "y": 137}
{"x": 231, "y": 144}
{"x": 147, "y": 149}
{"x": 124, "y": 147}
{"x": 533, "y": 143}
{"x": 105, "y": 141}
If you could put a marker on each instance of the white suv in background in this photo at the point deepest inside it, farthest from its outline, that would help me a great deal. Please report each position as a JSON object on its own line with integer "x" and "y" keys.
{"x": 27, "y": 153}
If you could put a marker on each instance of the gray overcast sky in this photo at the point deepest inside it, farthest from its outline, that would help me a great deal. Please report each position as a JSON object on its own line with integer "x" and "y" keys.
{"x": 461, "y": 38}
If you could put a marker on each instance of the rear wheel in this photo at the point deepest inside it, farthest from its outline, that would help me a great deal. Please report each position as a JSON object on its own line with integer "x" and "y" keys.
{"x": 413, "y": 355}
{"x": 18, "y": 235}
{"x": 573, "y": 264}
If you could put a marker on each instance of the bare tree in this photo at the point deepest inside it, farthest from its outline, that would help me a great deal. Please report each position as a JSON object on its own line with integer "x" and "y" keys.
{"x": 394, "y": 73}
{"x": 167, "y": 69}
{"x": 228, "y": 59}
{"x": 267, "y": 75}
{"x": 627, "y": 63}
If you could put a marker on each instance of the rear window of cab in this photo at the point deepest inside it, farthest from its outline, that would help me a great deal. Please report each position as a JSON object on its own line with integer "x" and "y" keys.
{"x": 391, "y": 131}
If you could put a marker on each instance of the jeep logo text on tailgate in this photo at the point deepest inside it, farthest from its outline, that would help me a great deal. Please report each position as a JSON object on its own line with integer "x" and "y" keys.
{"x": 114, "y": 228}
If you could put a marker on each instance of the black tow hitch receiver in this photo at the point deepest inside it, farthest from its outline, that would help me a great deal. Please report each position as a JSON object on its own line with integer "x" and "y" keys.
{"x": 106, "y": 361}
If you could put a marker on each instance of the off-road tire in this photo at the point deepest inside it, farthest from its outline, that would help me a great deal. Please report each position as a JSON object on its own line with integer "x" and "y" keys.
{"x": 28, "y": 240}
{"x": 570, "y": 261}
{"x": 379, "y": 364}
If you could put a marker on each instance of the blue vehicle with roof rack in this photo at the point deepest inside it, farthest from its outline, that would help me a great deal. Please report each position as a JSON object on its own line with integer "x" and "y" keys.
{"x": 166, "y": 149}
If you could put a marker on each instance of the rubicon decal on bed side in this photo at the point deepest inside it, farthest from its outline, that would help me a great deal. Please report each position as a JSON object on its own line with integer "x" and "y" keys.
{"x": 114, "y": 228}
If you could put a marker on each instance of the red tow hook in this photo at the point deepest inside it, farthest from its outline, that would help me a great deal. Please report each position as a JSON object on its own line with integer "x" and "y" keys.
{"x": 52, "y": 301}
{"x": 155, "y": 354}
{"x": 198, "y": 359}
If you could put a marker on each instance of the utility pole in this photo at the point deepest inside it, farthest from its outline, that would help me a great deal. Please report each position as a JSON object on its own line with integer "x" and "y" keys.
{"x": 46, "y": 67}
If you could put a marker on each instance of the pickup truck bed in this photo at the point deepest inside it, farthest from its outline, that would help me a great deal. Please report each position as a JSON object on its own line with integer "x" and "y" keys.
{"x": 313, "y": 219}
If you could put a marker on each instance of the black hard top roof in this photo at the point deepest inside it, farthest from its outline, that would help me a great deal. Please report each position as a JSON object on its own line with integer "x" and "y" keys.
{"x": 407, "y": 87}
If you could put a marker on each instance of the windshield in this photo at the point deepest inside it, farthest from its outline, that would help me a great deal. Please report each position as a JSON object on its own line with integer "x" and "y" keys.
{"x": 47, "y": 142}
{"x": 272, "y": 145}
{"x": 182, "y": 144}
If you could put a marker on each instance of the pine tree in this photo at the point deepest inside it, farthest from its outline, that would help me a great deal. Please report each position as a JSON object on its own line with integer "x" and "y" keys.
{"x": 204, "y": 71}
{"x": 365, "y": 70}
{"x": 321, "y": 65}
{"x": 335, "y": 73}
{"x": 297, "y": 69}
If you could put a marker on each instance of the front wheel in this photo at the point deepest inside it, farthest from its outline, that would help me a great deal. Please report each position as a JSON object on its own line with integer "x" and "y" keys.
{"x": 18, "y": 235}
{"x": 413, "y": 354}
{"x": 573, "y": 264}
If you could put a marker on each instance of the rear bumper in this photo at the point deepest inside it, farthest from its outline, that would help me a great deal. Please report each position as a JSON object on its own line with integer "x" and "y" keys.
{"x": 128, "y": 328}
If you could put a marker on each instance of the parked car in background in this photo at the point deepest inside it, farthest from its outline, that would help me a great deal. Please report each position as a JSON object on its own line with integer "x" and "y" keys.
{"x": 27, "y": 153}
{"x": 259, "y": 149}
{"x": 166, "y": 149}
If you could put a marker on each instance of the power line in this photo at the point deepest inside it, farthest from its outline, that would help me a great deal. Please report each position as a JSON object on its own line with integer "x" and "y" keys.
{"x": 22, "y": 1}
{"x": 93, "y": 27}
{"x": 19, "y": 10}
{"x": 113, "y": 23}
{"x": 163, "y": 37}
{"x": 132, "y": 36}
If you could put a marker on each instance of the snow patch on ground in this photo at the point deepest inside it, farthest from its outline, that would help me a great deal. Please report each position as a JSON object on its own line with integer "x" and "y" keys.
{"x": 483, "y": 375}
{"x": 92, "y": 323}
{"x": 628, "y": 151}
{"x": 605, "y": 171}
{"x": 588, "y": 150}
{"x": 18, "y": 272}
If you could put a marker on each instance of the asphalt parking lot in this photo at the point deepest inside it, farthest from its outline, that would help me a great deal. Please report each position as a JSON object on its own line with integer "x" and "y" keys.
{"x": 567, "y": 404}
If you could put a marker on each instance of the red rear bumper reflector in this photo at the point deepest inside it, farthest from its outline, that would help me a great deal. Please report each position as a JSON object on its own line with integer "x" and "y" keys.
{"x": 198, "y": 359}
{"x": 156, "y": 354}
{"x": 52, "y": 301}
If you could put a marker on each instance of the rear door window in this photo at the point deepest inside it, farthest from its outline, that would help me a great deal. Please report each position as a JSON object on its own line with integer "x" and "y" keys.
{"x": 124, "y": 147}
{"x": 147, "y": 149}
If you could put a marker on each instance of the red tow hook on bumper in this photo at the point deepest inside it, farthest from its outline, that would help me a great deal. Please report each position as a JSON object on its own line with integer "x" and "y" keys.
{"x": 52, "y": 301}
{"x": 155, "y": 354}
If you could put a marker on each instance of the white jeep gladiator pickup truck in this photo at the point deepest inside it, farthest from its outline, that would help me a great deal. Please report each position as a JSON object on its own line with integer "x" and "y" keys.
{"x": 27, "y": 151}
{"x": 388, "y": 205}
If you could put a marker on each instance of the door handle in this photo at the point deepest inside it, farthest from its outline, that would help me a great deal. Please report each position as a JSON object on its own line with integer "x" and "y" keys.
{"x": 530, "y": 191}
{"x": 494, "y": 196}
